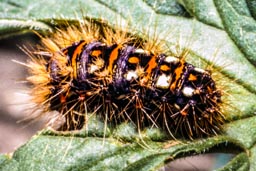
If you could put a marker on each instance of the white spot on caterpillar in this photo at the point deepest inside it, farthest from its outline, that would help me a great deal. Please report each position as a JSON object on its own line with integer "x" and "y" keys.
{"x": 200, "y": 70}
{"x": 93, "y": 68}
{"x": 171, "y": 59}
{"x": 163, "y": 81}
{"x": 141, "y": 51}
{"x": 131, "y": 75}
{"x": 188, "y": 91}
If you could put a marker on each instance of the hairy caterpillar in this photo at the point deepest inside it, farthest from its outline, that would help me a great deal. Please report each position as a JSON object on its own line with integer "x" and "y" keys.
{"x": 113, "y": 74}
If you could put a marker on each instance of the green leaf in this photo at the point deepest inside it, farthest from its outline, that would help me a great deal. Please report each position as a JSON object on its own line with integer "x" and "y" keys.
{"x": 204, "y": 11}
{"x": 168, "y": 7}
{"x": 219, "y": 32}
{"x": 240, "y": 25}
{"x": 52, "y": 151}
{"x": 15, "y": 27}
{"x": 252, "y": 7}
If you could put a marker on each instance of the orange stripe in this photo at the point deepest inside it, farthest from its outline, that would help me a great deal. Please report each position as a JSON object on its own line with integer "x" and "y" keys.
{"x": 164, "y": 68}
{"x": 178, "y": 72}
{"x": 75, "y": 55}
{"x": 192, "y": 77}
{"x": 133, "y": 60}
{"x": 112, "y": 57}
{"x": 96, "y": 53}
{"x": 151, "y": 65}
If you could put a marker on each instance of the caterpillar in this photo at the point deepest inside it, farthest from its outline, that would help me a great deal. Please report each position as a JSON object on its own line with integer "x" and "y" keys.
{"x": 121, "y": 78}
